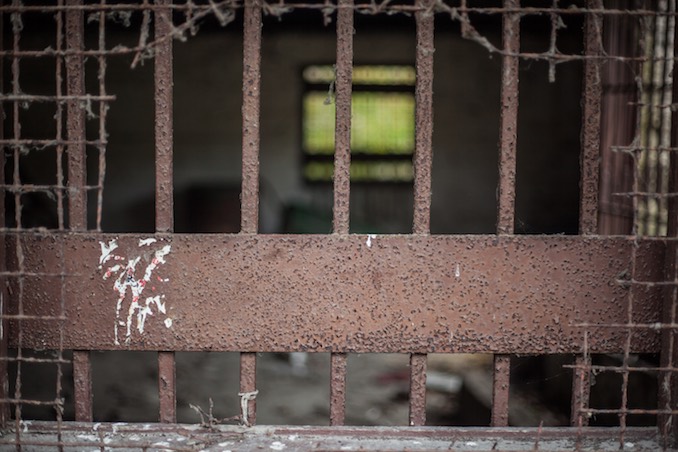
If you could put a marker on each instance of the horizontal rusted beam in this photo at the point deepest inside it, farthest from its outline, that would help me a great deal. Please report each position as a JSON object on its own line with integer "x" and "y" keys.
{"x": 340, "y": 293}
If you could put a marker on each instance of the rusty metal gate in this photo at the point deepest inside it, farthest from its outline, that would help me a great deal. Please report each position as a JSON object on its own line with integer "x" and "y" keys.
{"x": 74, "y": 287}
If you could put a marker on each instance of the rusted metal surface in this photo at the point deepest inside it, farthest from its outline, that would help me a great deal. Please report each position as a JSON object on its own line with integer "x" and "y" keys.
{"x": 167, "y": 384}
{"x": 403, "y": 294}
{"x": 251, "y": 93}
{"x": 590, "y": 136}
{"x": 164, "y": 198}
{"x": 500, "y": 390}
{"x": 77, "y": 195}
{"x": 342, "y": 131}
{"x": 4, "y": 374}
{"x": 423, "y": 92}
{"x": 43, "y": 436}
{"x": 581, "y": 388}
{"x": 164, "y": 210}
{"x": 508, "y": 128}
{"x": 75, "y": 82}
{"x": 82, "y": 377}
{"x": 418, "y": 389}
{"x": 248, "y": 387}
{"x": 337, "y": 388}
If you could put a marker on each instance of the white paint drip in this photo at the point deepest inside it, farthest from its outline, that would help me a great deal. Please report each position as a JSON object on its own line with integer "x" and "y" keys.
{"x": 106, "y": 251}
{"x": 245, "y": 397}
{"x": 457, "y": 272}
{"x": 369, "y": 240}
{"x": 146, "y": 242}
{"x": 168, "y": 322}
{"x": 127, "y": 281}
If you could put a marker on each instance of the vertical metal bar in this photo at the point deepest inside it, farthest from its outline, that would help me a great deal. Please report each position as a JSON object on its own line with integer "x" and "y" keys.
{"x": 164, "y": 198}
{"x": 82, "y": 376}
{"x": 337, "y": 388}
{"x": 423, "y": 160}
{"x": 590, "y": 136}
{"x": 418, "y": 389}
{"x": 75, "y": 70}
{"x": 249, "y": 216}
{"x": 4, "y": 374}
{"x": 342, "y": 180}
{"x": 508, "y": 142}
{"x": 103, "y": 109}
{"x": 508, "y": 134}
{"x": 342, "y": 133}
{"x": 77, "y": 196}
{"x": 167, "y": 387}
{"x": 248, "y": 387}
{"x": 423, "y": 148}
{"x": 500, "y": 390}
{"x": 250, "y": 117}
{"x": 589, "y": 164}
{"x": 581, "y": 388}
{"x": 16, "y": 180}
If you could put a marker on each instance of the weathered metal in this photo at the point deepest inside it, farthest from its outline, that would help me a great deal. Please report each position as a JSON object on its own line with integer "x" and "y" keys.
{"x": 342, "y": 132}
{"x": 590, "y": 136}
{"x": 423, "y": 92}
{"x": 125, "y": 436}
{"x": 399, "y": 294}
{"x": 164, "y": 192}
{"x": 418, "y": 389}
{"x": 337, "y": 388}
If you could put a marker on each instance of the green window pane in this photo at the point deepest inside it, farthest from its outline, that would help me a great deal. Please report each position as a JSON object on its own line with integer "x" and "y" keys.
{"x": 382, "y": 123}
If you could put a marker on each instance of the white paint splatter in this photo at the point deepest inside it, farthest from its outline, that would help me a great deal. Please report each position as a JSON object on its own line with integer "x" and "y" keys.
{"x": 127, "y": 281}
{"x": 106, "y": 251}
{"x": 457, "y": 272}
{"x": 369, "y": 240}
{"x": 168, "y": 322}
{"x": 146, "y": 242}
{"x": 277, "y": 445}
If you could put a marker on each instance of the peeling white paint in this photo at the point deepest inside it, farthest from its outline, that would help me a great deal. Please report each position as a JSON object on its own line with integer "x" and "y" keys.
{"x": 128, "y": 283}
{"x": 370, "y": 237}
{"x": 457, "y": 272}
{"x": 106, "y": 251}
{"x": 96, "y": 426}
{"x": 146, "y": 242}
{"x": 277, "y": 445}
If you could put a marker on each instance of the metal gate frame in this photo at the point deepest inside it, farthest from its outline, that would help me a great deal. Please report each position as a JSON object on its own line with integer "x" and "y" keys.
{"x": 331, "y": 293}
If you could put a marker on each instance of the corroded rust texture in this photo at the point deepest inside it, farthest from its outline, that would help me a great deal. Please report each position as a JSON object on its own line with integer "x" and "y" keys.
{"x": 337, "y": 388}
{"x": 581, "y": 389}
{"x": 342, "y": 132}
{"x": 500, "y": 390}
{"x": 250, "y": 117}
{"x": 167, "y": 387}
{"x": 412, "y": 294}
{"x": 417, "y": 389}
{"x": 590, "y": 136}
{"x": 508, "y": 128}
{"x": 164, "y": 218}
{"x": 77, "y": 196}
{"x": 164, "y": 200}
{"x": 423, "y": 152}
{"x": 75, "y": 70}
{"x": 82, "y": 379}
